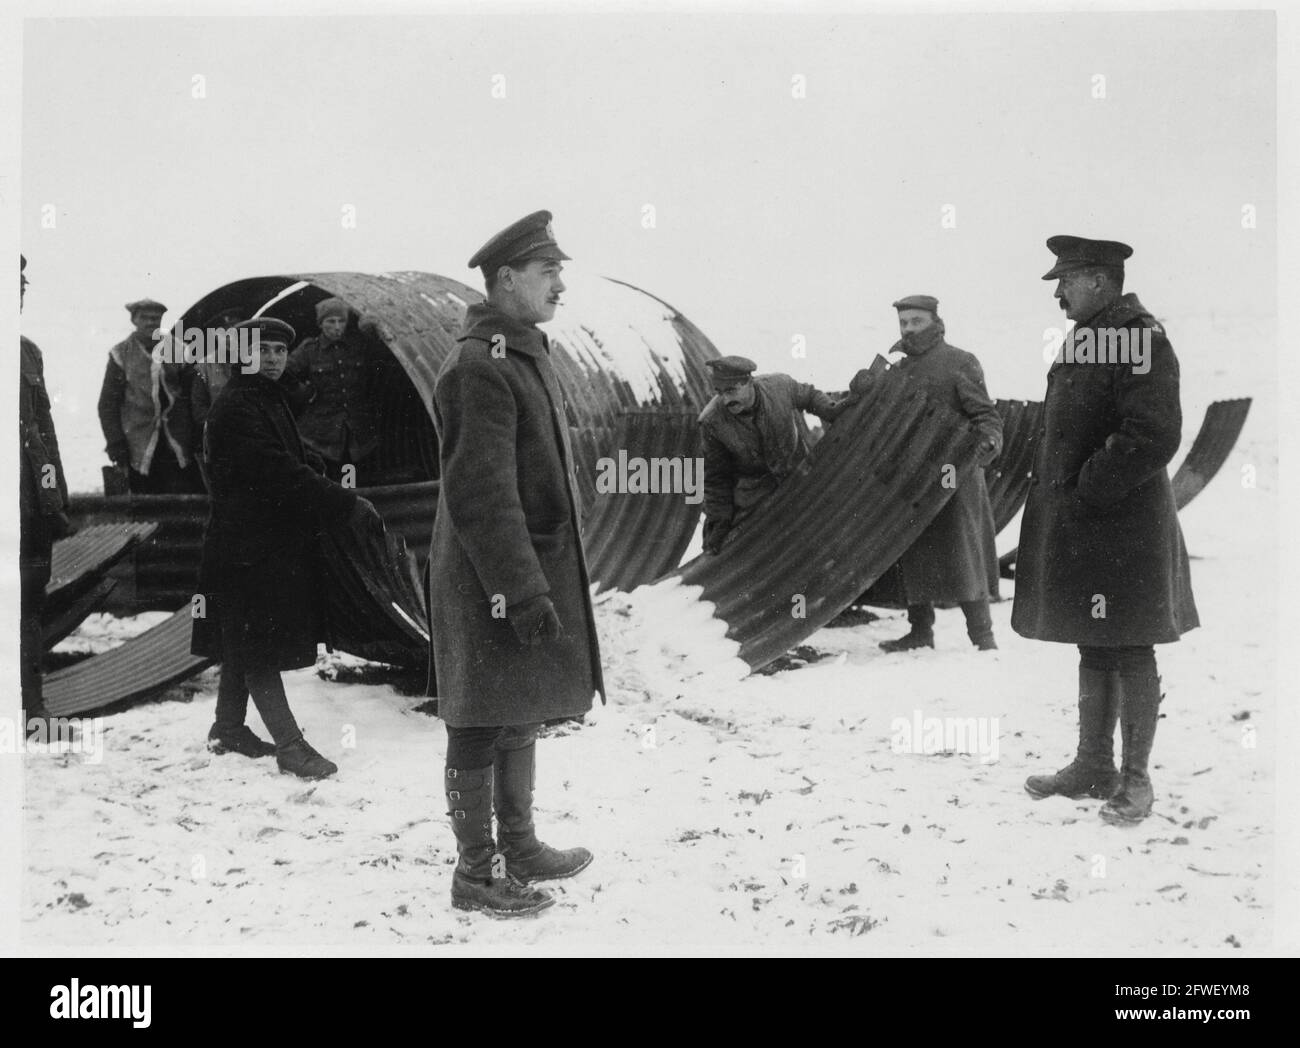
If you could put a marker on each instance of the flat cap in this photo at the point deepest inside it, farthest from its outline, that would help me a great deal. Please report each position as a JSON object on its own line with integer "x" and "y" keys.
{"x": 730, "y": 368}
{"x": 331, "y": 307}
{"x": 529, "y": 238}
{"x": 926, "y": 302}
{"x": 1077, "y": 252}
{"x": 145, "y": 303}
{"x": 269, "y": 329}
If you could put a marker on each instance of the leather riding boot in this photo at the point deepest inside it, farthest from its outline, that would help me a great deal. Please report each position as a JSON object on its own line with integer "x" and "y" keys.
{"x": 979, "y": 624}
{"x": 920, "y": 619}
{"x": 481, "y": 881}
{"x": 1092, "y": 773}
{"x": 526, "y": 857}
{"x": 1139, "y": 713}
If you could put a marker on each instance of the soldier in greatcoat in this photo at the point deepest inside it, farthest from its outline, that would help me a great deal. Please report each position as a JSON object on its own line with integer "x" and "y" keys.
{"x": 514, "y": 636}
{"x": 42, "y": 513}
{"x": 954, "y": 560}
{"x": 1102, "y": 562}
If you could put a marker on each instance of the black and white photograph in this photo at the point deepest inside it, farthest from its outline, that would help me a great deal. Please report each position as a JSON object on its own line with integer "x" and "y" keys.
{"x": 560, "y": 479}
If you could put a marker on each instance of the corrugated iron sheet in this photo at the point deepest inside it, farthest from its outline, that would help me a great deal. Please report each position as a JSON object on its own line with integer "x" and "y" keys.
{"x": 1214, "y": 441}
{"x": 54, "y": 627}
{"x": 1008, "y": 476}
{"x": 157, "y": 658}
{"x": 871, "y": 486}
{"x": 78, "y": 561}
{"x": 631, "y": 538}
{"x": 373, "y": 596}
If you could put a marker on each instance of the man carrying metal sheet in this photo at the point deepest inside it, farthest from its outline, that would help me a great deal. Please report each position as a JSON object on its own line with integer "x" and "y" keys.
{"x": 954, "y": 561}
{"x": 753, "y": 440}
{"x": 1102, "y": 562}
{"x": 513, "y": 633}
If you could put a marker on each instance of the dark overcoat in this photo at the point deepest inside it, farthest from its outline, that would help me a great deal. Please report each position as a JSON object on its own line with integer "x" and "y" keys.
{"x": 259, "y": 574}
{"x": 955, "y": 558}
{"x": 1102, "y": 560}
{"x": 40, "y": 500}
{"x": 507, "y": 529}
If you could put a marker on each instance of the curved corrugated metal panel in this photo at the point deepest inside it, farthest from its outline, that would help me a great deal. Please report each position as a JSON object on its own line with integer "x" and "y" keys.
{"x": 871, "y": 486}
{"x": 1008, "y": 486}
{"x": 632, "y": 370}
{"x": 56, "y": 626}
{"x": 373, "y": 600}
{"x": 163, "y": 568}
{"x": 155, "y": 659}
{"x": 1214, "y": 442}
{"x": 1008, "y": 477}
{"x": 78, "y": 561}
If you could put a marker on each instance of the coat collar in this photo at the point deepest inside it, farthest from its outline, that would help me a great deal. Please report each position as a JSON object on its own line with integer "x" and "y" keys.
{"x": 256, "y": 382}
{"x": 1119, "y": 313}
{"x": 483, "y": 322}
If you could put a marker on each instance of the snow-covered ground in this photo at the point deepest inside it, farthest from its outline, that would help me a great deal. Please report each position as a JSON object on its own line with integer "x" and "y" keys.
{"x": 770, "y": 814}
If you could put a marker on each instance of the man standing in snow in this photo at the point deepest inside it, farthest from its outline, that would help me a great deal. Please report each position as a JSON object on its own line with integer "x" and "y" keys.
{"x": 513, "y": 633}
{"x": 144, "y": 410}
{"x": 1102, "y": 562}
{"x": 42, "y": 512}
{"x": 954, "y": 560}
{"x": 753, "y": 440}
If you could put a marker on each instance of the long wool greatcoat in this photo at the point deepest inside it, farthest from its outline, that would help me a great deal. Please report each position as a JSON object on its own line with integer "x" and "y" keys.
{"x": 506, "y": 530}
{"x": 1102, "y": 560}
{"x": 259, "y": 572}
{"x": 955, "y": 558}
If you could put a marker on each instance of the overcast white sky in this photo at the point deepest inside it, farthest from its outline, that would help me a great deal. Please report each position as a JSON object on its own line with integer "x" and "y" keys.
{"x": 775, "y": 216}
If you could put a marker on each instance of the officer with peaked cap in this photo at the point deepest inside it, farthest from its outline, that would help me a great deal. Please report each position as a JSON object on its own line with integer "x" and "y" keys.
{"x": 513, "y": 633}
{"x": 954, "y": 560}
{"x": 42, "y": 514}
{"x": 145, "y": 411}
{"x": 258, "y": 575}
{"x": 754, "y": 436}
{"x": 1102, "y": 562}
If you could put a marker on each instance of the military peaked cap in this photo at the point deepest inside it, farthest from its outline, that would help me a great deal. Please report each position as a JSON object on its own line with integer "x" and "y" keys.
{"x": 529, "y": 238}
{"x": 1076, "y": 253}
